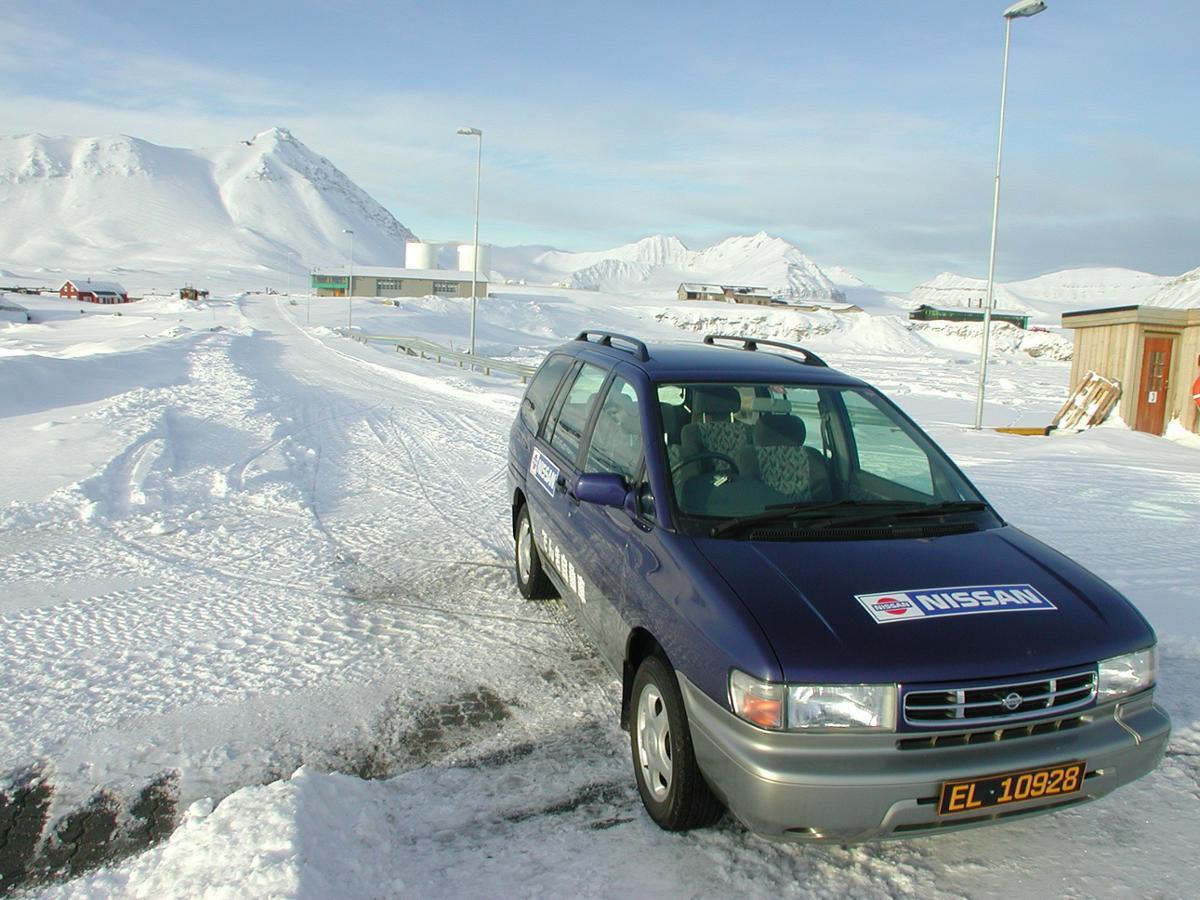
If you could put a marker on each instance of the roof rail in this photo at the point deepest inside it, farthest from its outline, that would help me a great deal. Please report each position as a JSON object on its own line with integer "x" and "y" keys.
{"x": 752, "y": 343}
{"x": 606, "y": 339}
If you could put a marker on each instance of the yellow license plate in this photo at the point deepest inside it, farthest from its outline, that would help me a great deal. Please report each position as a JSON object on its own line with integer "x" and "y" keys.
{"x": 1011, "y": 787}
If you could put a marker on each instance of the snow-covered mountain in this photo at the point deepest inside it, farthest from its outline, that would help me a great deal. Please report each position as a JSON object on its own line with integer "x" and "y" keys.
{"x": 659, "y": 263}
{"x": 1046, "y": 297}
{"x": 124, "y": 205}
{"x": 1181, "y": 292}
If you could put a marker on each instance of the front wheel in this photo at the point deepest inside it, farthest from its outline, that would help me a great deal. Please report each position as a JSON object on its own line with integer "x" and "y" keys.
{"x": 532, "y": 581}
{"x": 664, "y": 762}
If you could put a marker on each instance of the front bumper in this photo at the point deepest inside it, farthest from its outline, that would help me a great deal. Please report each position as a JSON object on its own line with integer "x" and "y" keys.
{"x": 804, "y": 787}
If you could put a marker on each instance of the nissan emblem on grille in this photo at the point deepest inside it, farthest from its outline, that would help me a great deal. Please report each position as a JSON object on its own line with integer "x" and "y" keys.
{"x": 995, "y": 704}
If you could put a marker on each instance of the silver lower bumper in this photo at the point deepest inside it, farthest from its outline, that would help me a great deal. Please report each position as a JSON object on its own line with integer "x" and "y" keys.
{"x": 862, "y": 787}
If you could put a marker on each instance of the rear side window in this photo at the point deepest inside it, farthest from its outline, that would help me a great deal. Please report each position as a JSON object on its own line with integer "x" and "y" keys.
{"x": 616, "y": 444}
{"x": 541, "y": 391}
{"x": 566, "y": 433}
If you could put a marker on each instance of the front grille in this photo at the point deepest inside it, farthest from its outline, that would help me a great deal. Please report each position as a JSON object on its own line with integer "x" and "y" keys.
{"x": 999, "y": 704}
{"x": 963, "y": 739}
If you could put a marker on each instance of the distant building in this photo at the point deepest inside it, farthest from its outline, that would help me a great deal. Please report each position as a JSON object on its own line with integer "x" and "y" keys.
{"x": 192, "y": 293}
{"x": 385, "y": 282}
{"x": 93, "y": 291}
{"x": 927, "y": 313}
{"x": 1154, "y": 352}
{"x": 815, "y": 306}
{"x": 726, "y": 293}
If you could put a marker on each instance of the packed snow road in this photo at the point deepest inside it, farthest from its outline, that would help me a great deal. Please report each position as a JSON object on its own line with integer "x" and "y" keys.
{"x": 294, "y": 558}
{"x": 276, "y": 575}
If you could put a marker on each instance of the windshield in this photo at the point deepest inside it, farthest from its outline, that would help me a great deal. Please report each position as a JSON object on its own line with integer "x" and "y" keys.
{"x": 759, "y": 451}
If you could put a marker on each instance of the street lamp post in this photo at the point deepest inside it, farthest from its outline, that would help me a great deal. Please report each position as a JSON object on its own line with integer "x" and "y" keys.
{"x": 475, "y": 247}
{"x": 312, "y": 287}
{"x": 1021, "y": 10}
{"x": 350, "y": 284}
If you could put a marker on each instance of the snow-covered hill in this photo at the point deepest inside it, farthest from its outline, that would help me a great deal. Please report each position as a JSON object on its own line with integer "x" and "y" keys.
{"x": 659, "y": 263}
{"x": 1179, "y": 293}
{"x": 125, "y": 206}
{"x": 1046, "y": 297}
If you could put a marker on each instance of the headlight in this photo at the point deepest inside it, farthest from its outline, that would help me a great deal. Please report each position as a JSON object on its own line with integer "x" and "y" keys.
{"x": 758, "y": 702}
{"x": 1127, "y": 674}
{"x": 812, "y": 707}
{"x": 842, "y": 707}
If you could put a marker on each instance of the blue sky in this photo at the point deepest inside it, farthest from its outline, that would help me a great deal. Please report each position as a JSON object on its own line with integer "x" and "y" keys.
{"x": 864, "y": 132}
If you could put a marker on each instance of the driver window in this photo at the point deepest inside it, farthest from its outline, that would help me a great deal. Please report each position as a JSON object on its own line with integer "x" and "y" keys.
{"x": 575, "y": 409}
{"x": 884, "y": 450}
{"x": 616, "y": 444}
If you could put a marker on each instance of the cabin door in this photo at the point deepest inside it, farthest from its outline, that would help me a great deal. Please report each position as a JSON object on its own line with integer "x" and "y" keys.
{"x": 1152, "y": 388}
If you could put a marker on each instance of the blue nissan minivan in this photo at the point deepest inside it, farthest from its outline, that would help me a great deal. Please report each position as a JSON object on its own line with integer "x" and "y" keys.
{"x": 818, "y": 621}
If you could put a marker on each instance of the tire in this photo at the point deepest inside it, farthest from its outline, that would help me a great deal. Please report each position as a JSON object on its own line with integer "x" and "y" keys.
{"x": 673, "y": 790}
{"x": 531, "y": 578}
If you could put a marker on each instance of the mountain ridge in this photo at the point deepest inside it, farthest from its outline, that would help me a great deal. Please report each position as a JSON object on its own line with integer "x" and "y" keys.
{"x": 121, "y": 202}
{"x": 659, "y": 263}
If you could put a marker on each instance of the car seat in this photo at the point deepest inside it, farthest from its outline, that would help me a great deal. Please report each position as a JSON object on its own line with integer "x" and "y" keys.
{"x": 785, "y": 464}
{"x": 712, "y": 430}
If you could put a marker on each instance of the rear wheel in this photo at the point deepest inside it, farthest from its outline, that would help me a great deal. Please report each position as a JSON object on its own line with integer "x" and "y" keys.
{"x": 664, "y": 762}
{"x": 531, "y": 578}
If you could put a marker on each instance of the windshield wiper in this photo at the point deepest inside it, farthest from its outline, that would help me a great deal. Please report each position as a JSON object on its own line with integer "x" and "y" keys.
{"x": 919, "y": 510}
{"x": 781, "y": 511}
{"x": 881, "y": 510}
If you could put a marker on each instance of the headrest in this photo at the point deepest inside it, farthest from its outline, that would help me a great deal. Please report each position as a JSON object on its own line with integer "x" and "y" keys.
{"x": 778, "y": 405}
{"x": 716, "y": 401}
{"x": 623, "y": 409}
{"x": 776, "y": 431}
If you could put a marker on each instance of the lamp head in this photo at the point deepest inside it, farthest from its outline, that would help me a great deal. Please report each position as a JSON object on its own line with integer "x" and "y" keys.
{"x": 1023, "y": 9}
{"x": 474, "y": 131}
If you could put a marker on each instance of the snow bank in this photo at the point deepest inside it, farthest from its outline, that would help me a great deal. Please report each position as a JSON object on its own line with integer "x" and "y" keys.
{"x": 965, "y": 337}
{"x": 1180, "y": 435}
{"x": 882, "y": 335}
{"x": 312, "y": 835}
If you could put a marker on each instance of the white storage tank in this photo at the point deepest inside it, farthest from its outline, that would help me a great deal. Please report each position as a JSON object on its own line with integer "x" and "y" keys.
{"x": 421, "y": 255}
{"x": 466, "y": 258}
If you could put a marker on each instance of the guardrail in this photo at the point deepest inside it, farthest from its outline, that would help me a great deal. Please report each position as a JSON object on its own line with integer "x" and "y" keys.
{"x": 427, "y": 349}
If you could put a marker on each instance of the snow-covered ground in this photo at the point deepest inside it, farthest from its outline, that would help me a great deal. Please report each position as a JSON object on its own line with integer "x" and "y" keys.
{"x": 258, "y": 574}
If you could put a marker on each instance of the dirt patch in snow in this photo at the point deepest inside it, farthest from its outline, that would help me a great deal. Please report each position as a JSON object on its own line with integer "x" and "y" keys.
{"x": 36, "y": 847}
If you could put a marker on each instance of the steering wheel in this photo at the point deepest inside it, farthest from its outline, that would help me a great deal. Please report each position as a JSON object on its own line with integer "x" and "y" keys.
{"x": 707, "y": 454}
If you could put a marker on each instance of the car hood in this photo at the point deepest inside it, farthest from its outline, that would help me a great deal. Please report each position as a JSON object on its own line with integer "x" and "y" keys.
{"x": 804, "y": 596}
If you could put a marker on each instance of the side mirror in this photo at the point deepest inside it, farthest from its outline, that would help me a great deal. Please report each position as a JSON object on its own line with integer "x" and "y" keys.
{"x": 604, "y": 489}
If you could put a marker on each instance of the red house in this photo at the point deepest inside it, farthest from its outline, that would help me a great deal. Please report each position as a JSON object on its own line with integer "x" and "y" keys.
{"x": 94, "y": 291}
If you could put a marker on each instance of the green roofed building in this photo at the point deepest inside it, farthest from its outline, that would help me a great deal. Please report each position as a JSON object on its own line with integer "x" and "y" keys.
{"x": 390, "y": 282}
{"x": 927, "y": 313}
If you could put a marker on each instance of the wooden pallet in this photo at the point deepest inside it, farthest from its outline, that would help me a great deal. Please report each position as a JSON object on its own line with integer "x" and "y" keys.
{"x": 1089, "y": 405}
